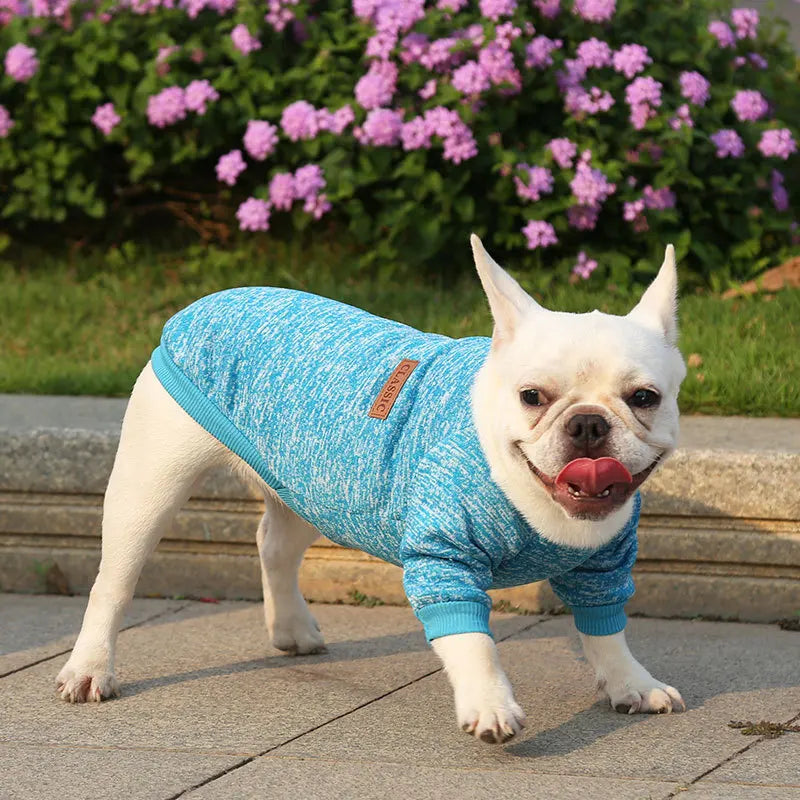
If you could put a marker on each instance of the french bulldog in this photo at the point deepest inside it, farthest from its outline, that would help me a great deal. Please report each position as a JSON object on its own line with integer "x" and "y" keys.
{"x": 472, "y": 463}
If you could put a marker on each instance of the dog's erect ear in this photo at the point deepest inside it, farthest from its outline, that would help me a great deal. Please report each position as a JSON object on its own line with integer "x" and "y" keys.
{"x": 658, "y": 307}
{"x": 507, "y": 299}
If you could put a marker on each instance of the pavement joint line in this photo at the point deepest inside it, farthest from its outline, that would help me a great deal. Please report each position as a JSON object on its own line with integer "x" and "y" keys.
{"x": 727, "y": 761}
{"x": 245, "y": 761}
{"x": 69, "y": 649}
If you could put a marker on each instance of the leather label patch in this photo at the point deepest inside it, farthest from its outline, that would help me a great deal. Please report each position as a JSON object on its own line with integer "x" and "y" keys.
{"x": 391, "y": 389}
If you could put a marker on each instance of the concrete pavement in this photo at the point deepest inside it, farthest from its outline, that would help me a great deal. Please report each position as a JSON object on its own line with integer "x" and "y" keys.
{"x": 210, "y": 711}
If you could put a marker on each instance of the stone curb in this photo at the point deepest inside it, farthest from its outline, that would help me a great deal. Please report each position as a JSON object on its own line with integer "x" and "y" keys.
{"x": 720, "y": 532}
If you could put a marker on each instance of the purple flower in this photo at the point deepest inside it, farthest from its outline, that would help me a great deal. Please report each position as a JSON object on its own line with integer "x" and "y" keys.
{"x": 584, "y": 266}
{"x": 340, "y": 119}
{"x": 643, "y": 95}
{"x": 658, "y": 199}
{"x": 539, "y": 234}
{"x": 6, "y": 123}
{"x": 631, "y": 59}
{"x": 21, "y": 62}
{"x": 579, "y": 101}
{"x": 498, "y": 64}
{"x": 563, "y": 151}
{"x": 282, "y": 191}
{"x": 105, "y": 118}
{"x": 300, "y": 121}
{"x": 728, "y": 143}
{"x": 197, "y": 94}
{"x": 471, "y": 78}
{"x": 695, "y": 88}
{"x": 317, "y": 206}
{"x": 749, "y": 105}
{"x": 682, "y": 117}
{"x": 253, "y": 215}
{"x": 643, "y": 90}
{"x": 634, "y": 213}
{"x": 590, "y": 186}
{"x": 745, "y": 20}
{"x": 382, "y": 127}
{"x": 416, "y": 134}
{"x": 537, "y": 52}
{"x": 506, "y": 33}
{"x": 164, "y": 53}
{"x": 260, "y": 138}
{"x": 243, "y": 40}
{"x": 308, "y": 181}
{"x": 451, "y": 5}
{"x": 780, "y": 197}
{"x": 549, "y": 9}
{"x": 442, "y": 121}
{"x": 778, "y": 143}
{"x": 583, "y": 218}
{"x": 428, "y": 90}
{"x": 722, "y": 33}
{"x": 230, "y": 166}
{"x": 595, "y": 10}
{"x": 594, "y": 53}
{"x": 377, "y": 87}
{"x": 460, "y": 145}
{"x": 758, "y": 61}
{"x": 494, "y": 9}
{"x": 167, "y": 107}
{"x": 279, "y": 16}
{"x": 540, "y": 181}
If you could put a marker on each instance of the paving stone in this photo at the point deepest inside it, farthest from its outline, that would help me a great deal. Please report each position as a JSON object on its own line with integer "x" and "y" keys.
{"x": 769, "y": 761}
{"x": 205, "y": 679}
{"x": 33, "y": 627}
{"x": 724, "y": 670}
{"x": 320, "y": 779}
{"x": 67, "y": 773}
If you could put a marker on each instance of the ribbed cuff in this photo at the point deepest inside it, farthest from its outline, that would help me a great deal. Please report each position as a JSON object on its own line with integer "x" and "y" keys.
{"x": 600, "y": 620}
{"x": 462, "y": 616}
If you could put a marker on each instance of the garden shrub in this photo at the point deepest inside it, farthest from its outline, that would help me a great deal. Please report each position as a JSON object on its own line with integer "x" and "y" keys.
{"x": 586, "y": 134}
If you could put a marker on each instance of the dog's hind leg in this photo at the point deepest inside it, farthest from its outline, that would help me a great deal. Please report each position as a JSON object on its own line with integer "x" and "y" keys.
{"x": 161, "y": 453}
{"x": 282, "y": 539}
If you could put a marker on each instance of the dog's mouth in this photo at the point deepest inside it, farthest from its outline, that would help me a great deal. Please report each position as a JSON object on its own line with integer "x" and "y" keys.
{"x": 591, "y": 488}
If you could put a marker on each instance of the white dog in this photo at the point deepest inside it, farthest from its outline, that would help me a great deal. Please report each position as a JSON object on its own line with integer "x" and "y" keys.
{"x": 473, "y": 463}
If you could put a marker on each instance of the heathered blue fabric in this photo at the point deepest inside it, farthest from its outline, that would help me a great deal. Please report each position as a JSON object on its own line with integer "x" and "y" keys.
{"x": 286, "y": 380}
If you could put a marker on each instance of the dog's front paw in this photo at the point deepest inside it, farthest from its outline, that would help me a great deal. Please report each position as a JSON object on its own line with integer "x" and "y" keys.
{"x": 491, "y": 715}
{"x": 85, "y": 685}
{"x": 642, "y": 694}
{"x": 297, "y": 635}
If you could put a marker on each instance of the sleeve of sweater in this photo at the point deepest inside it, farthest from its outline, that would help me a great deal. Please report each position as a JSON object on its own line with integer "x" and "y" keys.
{"x": 446, "y": 573}
{"x": 598, "y": 589}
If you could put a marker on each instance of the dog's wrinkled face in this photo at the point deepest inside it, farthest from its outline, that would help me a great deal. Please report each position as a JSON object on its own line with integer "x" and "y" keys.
{"x": 585, "y": 405}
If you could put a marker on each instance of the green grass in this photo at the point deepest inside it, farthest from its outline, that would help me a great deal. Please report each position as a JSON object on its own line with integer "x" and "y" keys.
{"x": 86, "y": 323}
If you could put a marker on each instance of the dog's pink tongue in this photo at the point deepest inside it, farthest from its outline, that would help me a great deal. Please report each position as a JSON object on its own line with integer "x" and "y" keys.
{"x": 594, "y": 475}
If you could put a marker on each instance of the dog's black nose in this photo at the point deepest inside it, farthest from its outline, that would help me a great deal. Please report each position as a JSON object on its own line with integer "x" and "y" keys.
{"x": 587, "y": 431}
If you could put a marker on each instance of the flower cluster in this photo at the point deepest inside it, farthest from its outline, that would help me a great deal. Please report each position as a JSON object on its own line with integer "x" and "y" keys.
{"x": 21, "y": 62}
{"x": 260, "y": 139}
{"x": 584, "y": 266}
{"x": 6, "y": 123}
{"x": 244, "y": 41}
{"x": 105, "y": 118}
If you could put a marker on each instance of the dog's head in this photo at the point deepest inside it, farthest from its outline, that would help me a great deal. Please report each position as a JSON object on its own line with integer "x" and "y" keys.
{"x": 575, "y": 411}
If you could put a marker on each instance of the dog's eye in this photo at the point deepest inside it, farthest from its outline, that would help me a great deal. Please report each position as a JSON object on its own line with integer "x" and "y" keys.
{"x": 531, "y": 397}
{"x": 644, "y": 398}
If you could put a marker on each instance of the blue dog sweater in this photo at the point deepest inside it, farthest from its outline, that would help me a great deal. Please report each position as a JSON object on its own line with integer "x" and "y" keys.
{"x": 298, "y": 386}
